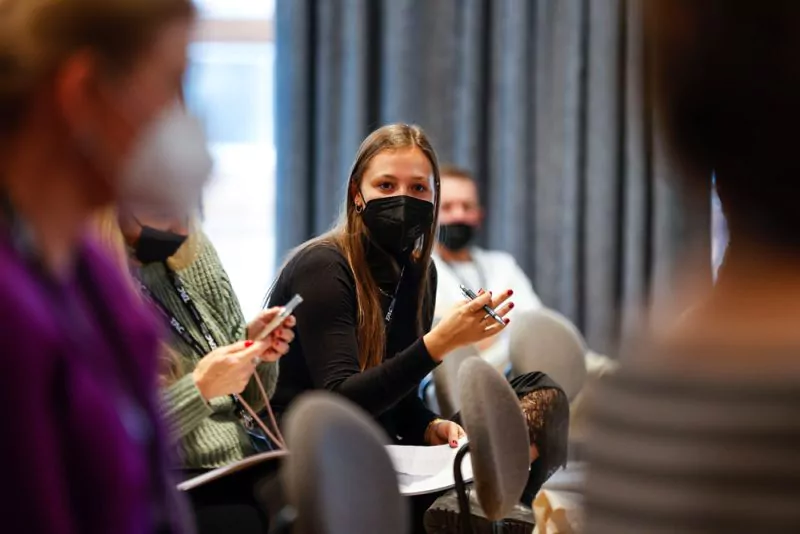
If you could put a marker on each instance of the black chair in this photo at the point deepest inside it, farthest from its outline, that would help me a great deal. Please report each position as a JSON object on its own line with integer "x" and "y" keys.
{"x": 545, "y": 341}
{"x": 498, "y": 444}
{"x": 338, "y": 478}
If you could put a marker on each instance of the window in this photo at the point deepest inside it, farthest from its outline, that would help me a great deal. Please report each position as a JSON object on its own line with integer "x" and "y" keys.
{"x": 719, "y": 230}
{"x": 229, "y": 86}
{"x": 236, "y": 9}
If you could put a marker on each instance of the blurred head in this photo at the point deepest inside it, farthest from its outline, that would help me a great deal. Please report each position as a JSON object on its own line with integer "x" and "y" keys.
{"x": 393, "y": 194}
{"x": 726, "y": 80}
{"x": 460, "y": 214}
{"x": 83, "y": 79}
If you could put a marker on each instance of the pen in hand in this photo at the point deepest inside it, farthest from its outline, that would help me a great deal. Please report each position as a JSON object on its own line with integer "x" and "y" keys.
{"x": 468, "y": 293}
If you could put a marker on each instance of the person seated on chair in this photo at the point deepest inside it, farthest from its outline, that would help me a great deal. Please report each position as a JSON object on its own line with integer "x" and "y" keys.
{"x": 364, "y": 329}
{"x": 546, "y": 409}
{"x": 460, "y": 261}
{"x": 210, "y": 360}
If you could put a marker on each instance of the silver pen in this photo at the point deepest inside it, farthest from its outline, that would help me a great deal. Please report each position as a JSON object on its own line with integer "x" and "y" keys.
{"x": 470, "y": 294}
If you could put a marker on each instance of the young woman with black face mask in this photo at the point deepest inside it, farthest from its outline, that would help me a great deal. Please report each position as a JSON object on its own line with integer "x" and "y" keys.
{"x": 207, "y": 376}
{"x": 364, "y": 328}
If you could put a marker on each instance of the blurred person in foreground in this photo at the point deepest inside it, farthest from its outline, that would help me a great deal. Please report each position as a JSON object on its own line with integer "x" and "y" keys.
{"x": 460, "y": 261}
{"x": 699, "y": 432}
{"x": 83, "y": 84}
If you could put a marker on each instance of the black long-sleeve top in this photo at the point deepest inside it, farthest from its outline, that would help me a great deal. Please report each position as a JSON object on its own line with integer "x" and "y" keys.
{"x": 325, "y": 352}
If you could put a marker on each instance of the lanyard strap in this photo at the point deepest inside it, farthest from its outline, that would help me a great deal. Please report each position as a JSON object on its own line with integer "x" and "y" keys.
{"x": 393, "y": 303}
{"x": 173, "y": 321}
{"x": 247, "y": 415}
{"x": 481, "y": 274}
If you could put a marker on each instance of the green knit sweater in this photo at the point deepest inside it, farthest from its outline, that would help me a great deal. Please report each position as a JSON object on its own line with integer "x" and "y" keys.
{"x": 209, "y": 434}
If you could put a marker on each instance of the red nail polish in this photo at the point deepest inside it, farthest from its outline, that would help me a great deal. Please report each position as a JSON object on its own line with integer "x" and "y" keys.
{"x": 248, "y": 344}
{"x": 507, "y": 320}
{"x": 510, "y": 305}
{"x": 510, "y": 292}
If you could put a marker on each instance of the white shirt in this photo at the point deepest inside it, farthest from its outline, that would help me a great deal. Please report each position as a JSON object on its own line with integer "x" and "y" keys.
{"x": 492, "y": 270}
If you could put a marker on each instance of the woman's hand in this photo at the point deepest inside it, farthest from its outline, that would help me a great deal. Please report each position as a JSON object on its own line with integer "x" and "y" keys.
{"x": 468, "y": 323}
{"x": 227, "y": 370}
{"x": 442, "y": 431}
{"x": 278, "y": 340}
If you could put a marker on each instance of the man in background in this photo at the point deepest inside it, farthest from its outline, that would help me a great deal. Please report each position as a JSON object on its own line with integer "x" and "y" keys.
{"x": 458, "y": 261}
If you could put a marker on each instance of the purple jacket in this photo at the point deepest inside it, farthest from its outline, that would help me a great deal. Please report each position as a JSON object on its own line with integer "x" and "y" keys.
{"x": 81, "y": 450}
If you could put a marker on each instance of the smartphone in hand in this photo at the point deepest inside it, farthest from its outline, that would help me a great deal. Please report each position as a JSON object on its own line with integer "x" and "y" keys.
{"x": 287, "y": 310}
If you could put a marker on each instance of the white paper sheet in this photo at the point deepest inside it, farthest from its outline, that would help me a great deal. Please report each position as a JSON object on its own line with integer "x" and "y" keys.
{"x": 419, "y": 470}
{"x": 421, "y": 461}
{"x": 427, "y": 469}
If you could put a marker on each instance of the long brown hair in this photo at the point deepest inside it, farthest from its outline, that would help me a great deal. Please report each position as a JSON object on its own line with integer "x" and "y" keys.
{"x": 348, "y": 236}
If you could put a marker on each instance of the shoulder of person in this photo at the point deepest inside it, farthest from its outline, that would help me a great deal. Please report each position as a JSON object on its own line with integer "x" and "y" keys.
{"x": 317, "y": 260}
{"x": 119, "y": 294}
{"x": 320, "y": 273}
{"x": 197, "y": 246}
{"x": 433, "y": 271}
{"x": 30, "y": 314}
{"x": 495, "y": 258}
{"x": 28, "y": 318}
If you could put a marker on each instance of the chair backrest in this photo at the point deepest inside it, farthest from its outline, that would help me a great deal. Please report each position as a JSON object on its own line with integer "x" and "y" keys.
{"x": 445, "y": 380}
{"x": 339, "y": 477}
{"x": 544, "y": 340}
{"x": 498, "y": 437}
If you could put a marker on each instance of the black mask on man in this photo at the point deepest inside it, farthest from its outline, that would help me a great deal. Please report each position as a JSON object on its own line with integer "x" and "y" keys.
{"x": 456, "y": 236}
{"x": 155, "y": 246}
{"x": 395, "y": 223}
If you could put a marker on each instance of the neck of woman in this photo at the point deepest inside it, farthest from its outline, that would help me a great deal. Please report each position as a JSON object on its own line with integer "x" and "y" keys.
{"x": 49, "y": 200}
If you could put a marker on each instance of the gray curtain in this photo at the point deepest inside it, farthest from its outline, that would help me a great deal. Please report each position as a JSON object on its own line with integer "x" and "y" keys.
{"x": 545, "y": 100}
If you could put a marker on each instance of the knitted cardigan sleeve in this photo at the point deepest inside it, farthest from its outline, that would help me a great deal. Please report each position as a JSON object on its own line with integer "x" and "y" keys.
{"x": 183, "y": 406}
{"x": 228, "y": 301}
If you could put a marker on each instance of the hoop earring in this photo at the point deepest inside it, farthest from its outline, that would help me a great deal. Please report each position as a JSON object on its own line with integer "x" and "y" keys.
{"x": 359, "y": 208}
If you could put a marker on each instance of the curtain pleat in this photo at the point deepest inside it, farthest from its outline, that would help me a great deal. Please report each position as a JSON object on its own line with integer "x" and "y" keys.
{"x": 546, "y": 101}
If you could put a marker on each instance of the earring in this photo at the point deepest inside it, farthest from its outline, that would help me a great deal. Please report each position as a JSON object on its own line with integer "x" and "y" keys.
{"x": 359, "y": 208}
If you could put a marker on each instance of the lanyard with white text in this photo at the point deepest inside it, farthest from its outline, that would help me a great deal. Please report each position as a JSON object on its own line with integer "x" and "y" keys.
{"x": 390, "y": 311}
{"x": 246, "y": 418}
{"x": 173, "y": 321}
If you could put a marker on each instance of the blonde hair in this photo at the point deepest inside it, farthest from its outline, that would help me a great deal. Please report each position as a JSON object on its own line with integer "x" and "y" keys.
{"x": 106, "y": 228}
{"x": 38, "y": 36}
{"x": 348, "y": 237}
